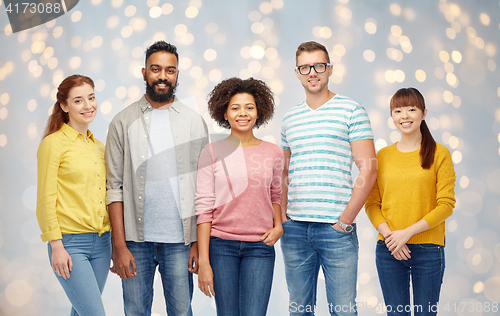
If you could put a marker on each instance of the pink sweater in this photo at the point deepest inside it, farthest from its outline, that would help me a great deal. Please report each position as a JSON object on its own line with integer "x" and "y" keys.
{"x": 236, "y": 188}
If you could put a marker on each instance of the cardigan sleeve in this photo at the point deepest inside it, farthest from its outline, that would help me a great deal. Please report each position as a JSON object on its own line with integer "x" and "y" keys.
{"x": 445, "y": 188}
{"x": 373, "y": 207}
{"x": 205, "y": 187}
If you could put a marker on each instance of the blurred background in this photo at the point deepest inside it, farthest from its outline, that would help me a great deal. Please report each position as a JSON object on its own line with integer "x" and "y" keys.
{"x": 447, "y": 49}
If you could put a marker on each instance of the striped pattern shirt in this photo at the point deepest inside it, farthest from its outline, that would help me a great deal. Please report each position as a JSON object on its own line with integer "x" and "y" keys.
{"x": 320, "y": 179}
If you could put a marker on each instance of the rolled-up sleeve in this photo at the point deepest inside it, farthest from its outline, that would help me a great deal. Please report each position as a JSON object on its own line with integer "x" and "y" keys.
{"x": 114, "y": 156}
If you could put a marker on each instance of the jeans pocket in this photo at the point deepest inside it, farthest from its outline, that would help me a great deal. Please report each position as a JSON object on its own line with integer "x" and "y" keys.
{"x": 381, "y": 243}
{"x": 67, "y": 238}
{"x": 266, "y": 244}
{"x": 429, "y": 246}
{"x": 339, "y": 231}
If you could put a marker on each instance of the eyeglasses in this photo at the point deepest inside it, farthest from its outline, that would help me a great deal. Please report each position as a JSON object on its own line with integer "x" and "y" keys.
{"x": 319, "y": 68}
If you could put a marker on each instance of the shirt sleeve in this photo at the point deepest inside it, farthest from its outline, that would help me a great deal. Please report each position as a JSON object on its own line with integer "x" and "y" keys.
{"x": 114, "y": 157}
{"x": 49, "y": 159}
{"x": 205, "y": 187}
{"x": 284, "y": 141}
{"x": 359, "y": 125}
{"x": 445, "y": 190}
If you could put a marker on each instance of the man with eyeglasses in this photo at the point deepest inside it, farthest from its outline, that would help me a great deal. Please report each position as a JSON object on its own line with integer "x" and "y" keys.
{"x": 321, "y": 138}
{"x": 151, "y": 156}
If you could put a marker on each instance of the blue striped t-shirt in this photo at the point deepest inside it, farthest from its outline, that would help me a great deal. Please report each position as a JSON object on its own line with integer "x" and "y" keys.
{"x": 320, "y": 179}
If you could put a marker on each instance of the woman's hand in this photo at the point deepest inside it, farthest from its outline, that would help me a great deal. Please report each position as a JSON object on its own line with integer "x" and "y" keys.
{"x": 403, "y": 254}
{"x": 206, "y": 280}
{"x": 396, "y": 240}
{"x": 272, "y": 236}
{"x": 61, "y": 260}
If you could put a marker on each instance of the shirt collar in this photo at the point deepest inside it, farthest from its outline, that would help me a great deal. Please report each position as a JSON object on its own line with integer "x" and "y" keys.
{"x": 72, "y": 134}
{"x": 146, "y": 106}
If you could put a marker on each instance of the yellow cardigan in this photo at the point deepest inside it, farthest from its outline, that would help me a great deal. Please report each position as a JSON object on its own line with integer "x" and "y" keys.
{"x": 405, "y": 193}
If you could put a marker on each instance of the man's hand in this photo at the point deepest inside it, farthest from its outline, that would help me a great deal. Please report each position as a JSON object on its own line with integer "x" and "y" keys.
{"x": 337, "y": 227}
{"x": 193, "y": 258}
{"x": 122, "y": 262}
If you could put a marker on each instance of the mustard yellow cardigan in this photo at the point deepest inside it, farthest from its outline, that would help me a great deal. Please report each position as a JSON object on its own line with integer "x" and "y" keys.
{"x": 405, "y": 193}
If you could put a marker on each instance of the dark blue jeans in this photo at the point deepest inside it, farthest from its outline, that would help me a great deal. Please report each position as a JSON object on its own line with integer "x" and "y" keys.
{"x": 243, "y": 275}
{"x": 426, "y": 269}
{"x": 172, "y": 260}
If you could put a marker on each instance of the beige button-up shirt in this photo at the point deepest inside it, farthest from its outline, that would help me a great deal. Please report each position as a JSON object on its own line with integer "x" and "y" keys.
{"x": 126, "y": 155}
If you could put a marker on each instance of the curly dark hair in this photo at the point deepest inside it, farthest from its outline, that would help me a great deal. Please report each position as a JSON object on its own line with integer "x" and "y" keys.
{"x": 218, "y": 99}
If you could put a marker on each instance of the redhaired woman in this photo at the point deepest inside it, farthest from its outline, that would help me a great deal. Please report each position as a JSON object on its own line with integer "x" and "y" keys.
{"x": 71, "y": 207}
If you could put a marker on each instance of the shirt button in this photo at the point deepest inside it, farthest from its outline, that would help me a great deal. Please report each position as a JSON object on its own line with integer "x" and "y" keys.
{"x": 140, "y": 219}
{"x": 95, "y": 162}
{"x": 91, "y": 151}
{"x": 101, "y": 203}
{"x": 101, "y": 215}
{"x": 97, "y": 175}
{"x": 142, "y": 157}
{"x": 142, "y": 177}
{"x": 99, "y": 188}
{"x": 140, "y": 197}
{"x": 146, "y": 136}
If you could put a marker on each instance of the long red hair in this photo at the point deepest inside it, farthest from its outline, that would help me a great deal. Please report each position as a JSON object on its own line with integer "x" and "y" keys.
{"x": 58, "y": 116}
{"x": 412, "y": 97}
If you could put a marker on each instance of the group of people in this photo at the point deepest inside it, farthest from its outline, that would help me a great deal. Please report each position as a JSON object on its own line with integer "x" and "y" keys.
{"x": 177, "y": 202}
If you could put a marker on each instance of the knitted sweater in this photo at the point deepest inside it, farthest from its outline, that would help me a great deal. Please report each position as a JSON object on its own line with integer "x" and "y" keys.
{"x": 236, "y": 188}
{"x": 405, "y": 193}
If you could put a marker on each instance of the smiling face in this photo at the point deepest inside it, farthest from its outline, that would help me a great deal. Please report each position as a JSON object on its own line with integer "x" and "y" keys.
{"x": 241, "y": 113}
{"x": 81, "y": 107}
{"x": 313, "y": 82}
{"x": 408, "y": 119}
{"x": 160, "y": 75}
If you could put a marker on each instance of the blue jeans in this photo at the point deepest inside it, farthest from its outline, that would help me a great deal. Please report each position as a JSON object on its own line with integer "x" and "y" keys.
{"x": 91, "y": 256}
{"x": 306, "y": 246}
{"x": 172, "y": 260}
{"x": 426, "y": 268}
{"x": 243, "y": 275}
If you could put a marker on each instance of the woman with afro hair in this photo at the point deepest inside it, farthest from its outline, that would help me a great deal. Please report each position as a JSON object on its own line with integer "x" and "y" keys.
{"x": 238, "y": 201}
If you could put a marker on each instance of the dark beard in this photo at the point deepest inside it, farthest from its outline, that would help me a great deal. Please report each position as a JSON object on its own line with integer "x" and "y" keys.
{"x": 160, "y": 97}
